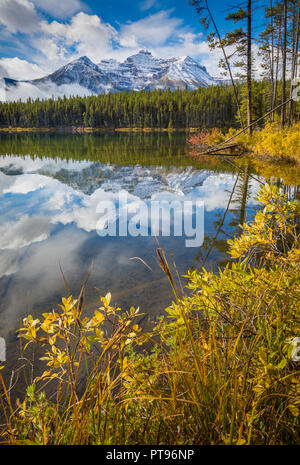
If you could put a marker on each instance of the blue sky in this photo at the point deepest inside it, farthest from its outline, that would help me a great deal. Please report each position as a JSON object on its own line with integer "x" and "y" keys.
{"x": 38, "y": 36}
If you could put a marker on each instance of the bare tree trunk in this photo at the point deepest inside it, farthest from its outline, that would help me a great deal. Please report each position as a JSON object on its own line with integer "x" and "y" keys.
{"x": 272, "y": 61}
{"x": 249, "y": 68}
{"x": 284, "y": 45}
{"x": 227, "y": 64}
{"x": 296, "y": 27}
{"x": 277, "y": 63}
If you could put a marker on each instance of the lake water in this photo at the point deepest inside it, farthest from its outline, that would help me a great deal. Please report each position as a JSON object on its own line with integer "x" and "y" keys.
{"x": 50, "y": 186}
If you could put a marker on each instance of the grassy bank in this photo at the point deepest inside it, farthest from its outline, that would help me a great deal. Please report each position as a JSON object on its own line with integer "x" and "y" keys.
{"x": 221, "y": 367}
{"x": 271, "y": 142}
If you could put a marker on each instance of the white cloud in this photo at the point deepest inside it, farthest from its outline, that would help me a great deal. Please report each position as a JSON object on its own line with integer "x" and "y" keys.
{"x": 153, "y": 30}
{"x": 5, "y": 182}
{"x": 51, "y": 44}
{"x": 40, "y": 264}
{"x": 23, "y": 232}
{"x": 15, "y": 68}
{"x": 189, "y": 44}
{"x": 87, "y": 34}
{"x": 29, "y": 165}
{"x": 28, "y": 183}
{"x": 9, "y": 262}
{"x": 147, "y": 4}
{"x": 26, "y": 90}
{"x": 19, "y": 16}
{"x": 60, "y": 8}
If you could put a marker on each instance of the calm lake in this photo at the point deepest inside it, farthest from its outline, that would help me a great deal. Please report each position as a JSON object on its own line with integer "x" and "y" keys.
{"x": 50, "y": 186}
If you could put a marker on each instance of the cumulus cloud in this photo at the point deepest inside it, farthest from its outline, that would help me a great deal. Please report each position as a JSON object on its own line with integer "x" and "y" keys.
{"x": 154, "y": 29}
{"x": 88, "y": 34}
{"x": 28, "y": 183}
{"x": 53, "y": 43}
{"x": 23, "y": 232}
{"x": 19, "y": 16}
{"x": 60, "y": 9}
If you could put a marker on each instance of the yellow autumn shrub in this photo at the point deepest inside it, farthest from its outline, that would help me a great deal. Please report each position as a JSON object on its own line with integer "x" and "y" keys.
{"x": 272, "y": 141}
{"x": 221, "y": 367}
{"x": 277, "y": 142}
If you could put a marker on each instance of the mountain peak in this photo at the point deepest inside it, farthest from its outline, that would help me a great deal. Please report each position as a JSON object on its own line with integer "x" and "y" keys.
{"x": 84, "y": 59}
{"x": 142, "y": 55}
{"x": 139, "y": 71}
{"x": 190, "y": 61}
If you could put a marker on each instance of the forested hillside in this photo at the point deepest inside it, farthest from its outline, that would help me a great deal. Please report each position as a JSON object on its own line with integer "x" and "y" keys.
{"x": 206, "y": 107}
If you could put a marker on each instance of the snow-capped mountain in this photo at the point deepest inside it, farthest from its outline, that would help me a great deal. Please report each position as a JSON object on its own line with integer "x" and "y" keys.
{"x": 137, "y": 72}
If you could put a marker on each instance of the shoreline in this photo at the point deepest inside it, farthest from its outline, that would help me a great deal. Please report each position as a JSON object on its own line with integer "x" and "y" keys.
{"x": 87, "y": 130}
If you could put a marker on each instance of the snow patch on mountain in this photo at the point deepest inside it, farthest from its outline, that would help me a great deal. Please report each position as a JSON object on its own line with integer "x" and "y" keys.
{"x": 83, "y": 77}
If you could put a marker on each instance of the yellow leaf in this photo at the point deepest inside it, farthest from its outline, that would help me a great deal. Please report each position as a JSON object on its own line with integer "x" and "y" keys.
{"x": 108, "y": 298}
{"x": 100, "y": 317}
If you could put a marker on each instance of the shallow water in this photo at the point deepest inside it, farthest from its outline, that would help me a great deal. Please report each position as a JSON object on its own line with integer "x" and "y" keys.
{"x": 50, "y": 187}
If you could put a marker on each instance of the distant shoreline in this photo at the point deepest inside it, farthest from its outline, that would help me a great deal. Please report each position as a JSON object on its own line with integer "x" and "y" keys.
{"x": 83, "y": 130}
